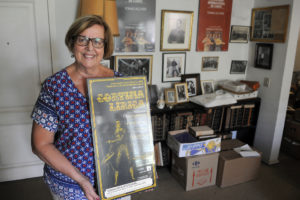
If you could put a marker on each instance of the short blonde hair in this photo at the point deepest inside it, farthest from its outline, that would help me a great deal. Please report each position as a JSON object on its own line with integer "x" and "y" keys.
{"x": 85, "y": 22}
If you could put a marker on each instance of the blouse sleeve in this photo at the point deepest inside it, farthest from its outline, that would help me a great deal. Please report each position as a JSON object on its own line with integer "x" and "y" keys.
{"x": 44, "y": 110}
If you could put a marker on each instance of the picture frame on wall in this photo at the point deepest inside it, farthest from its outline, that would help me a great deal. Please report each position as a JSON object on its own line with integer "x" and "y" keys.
{"x": 239, "y": 34}
{"x": 269, "y": 24}
{"x": 134, "y": 65}
{"x": 193, "y": 83}
{"x": 210, "y": 63}
{"x": 173, "y": 66}
{"x": 207, "y": 86}
{"x": 263, "y": 55}
{"x": 170, "y": 96}
{"x": 176, "y": 30}
{"x": 181, "y": 92}
{"x": 109, "y": 63}
{"x": 238, "y": 66}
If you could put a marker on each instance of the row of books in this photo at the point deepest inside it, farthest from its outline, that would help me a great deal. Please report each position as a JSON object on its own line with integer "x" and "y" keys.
{"x": 239, "y": 116}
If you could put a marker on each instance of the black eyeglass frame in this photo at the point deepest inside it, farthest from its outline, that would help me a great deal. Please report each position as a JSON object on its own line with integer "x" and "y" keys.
{"x": 93, "y": 40}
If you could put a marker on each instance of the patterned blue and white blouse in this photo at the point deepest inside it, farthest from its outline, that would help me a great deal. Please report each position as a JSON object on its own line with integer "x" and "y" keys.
{"x": 62, "y": 109}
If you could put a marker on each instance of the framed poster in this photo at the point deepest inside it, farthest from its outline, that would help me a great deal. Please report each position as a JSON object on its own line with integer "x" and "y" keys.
{"x": 263, "y": 55}
{"x": 193, "y": 83}
{"x": 135, "y": 65}
{"x": 136, "y": 26}
{"x": 173, "y": 66}
{"x": 269, "y": 24}
{"x": 181, "y": 92}
{"x": 122, "y": 135}
{"x": 176, "y": 30}
{"x": 213, "y": 25}
{"x": 239, "y": 34}
{"x": 238, "y": 66}
{"x": 207, "y": 86}
{"x": 210, "y": 63}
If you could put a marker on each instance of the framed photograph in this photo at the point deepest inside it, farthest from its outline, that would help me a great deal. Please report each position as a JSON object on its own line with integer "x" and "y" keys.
{"x": 181, "y": 92}
{"x": 170, "y": 96}
{"x": 109, "y": 63}
{"x": 239, "y": 34}
{"x": 176, "y": 30}
{"x": 263, "y": 55}
{"x": 134, "y": 65}
{"x": 193, "y": 83}
{"x": 269, "y": 24}
{"x": 207, "y": 86}
{"x": 238, "y": 67}
{"x": 210, "y": 63}
{"x": 173, "y": 66}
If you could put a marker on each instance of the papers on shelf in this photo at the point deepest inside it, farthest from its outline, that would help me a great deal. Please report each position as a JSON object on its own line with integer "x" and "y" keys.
{"x": 212, "y": 100}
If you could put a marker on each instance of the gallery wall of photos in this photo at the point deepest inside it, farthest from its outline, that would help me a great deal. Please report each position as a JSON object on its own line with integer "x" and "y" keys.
{"x": 198, "y": 44}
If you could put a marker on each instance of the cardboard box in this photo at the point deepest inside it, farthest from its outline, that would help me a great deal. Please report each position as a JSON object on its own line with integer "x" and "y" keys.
{"x": 200, "y": 130}
{"x": 292, "y": 130}
{"x": 233, "y": 168}
{"x": 196, "y": 171}
{"x": 184, "y": 144}
{"x": 290, "y": 147}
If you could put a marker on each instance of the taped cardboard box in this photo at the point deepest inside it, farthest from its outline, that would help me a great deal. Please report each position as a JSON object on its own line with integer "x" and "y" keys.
{"x": 196, "y": 171}
{"x": 233, "y": 168}
{"x": 183, "y": 144}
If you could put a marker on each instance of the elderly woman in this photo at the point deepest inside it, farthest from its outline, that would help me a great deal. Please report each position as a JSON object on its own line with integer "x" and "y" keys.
{"x": 61, "y": 131}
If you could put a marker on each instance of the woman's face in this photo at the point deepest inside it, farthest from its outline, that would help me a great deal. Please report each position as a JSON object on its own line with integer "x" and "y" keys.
{"x": 89, "y": 56}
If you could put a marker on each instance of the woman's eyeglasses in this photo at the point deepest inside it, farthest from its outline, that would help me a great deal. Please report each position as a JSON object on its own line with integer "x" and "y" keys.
{"x": 84, "y": 41}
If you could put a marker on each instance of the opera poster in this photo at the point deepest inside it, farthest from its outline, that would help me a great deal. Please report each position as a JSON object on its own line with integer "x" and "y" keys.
{"x": 136, "y": 26}
{"x": 122, "y": 135}
{"x": 213, "y": 25}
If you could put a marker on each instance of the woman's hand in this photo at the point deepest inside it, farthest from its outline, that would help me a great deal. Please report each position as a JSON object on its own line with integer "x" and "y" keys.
{"x": 88, "y": 189}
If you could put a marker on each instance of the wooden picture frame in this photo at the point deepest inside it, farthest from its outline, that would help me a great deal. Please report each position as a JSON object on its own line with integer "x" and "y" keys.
{"x": 181, "y": 92}
{"x": 210, "y": 63}
{"x": 239, "y": 34}
{"x": 109, "y": 63}
{"x": 207, "y": 86}
{"x": 263, "y": 55}
{"x": 238, "y": 66}
{"x": 193, "y": 83}
{"x": 170, "y": 96}
{"x": 173, "y": 66}
{"x": 134, "y": 65}
{"x": 269, "y": 24}
{"x": 176, "y": 30}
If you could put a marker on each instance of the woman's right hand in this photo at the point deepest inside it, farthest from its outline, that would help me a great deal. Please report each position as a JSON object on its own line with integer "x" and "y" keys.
{"x": 88, "y": 189}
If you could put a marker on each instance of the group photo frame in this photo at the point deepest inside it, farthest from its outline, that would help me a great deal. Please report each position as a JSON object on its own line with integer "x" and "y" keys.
{"x": 181, "y": 93}
{"x": 207, "y": 86}
{"x": 263, "y": 55}
{"x": 238, "y": 66}
{"x": 239, "y": 34}
{"x": 176, "y": 30}
{"x": 135, "y": 65}
{"x": 193, "y": 83}
{"x": 173, "y": 66}
{"x": 210, "y": 63}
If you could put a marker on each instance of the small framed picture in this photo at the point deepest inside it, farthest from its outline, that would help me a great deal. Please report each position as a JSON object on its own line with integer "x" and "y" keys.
{"x": 170, "y": 96}
{"x": 176, "y": 30}
{"x": 238, "y": 67}
{"x": 181, "y": 92}
{"x": 210, "y": 63}
{"x": 134, "y": 65}
{"x": 109, "y": 63}
{"x": 193, "y": 83}
{"x": 173, "y": 66}
{"x": 207, "y": 86}
{"x": 239, "y": 34}
{"x": 263, "y": 55}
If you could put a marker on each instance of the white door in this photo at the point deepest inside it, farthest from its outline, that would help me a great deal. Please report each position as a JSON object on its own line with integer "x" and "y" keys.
{"x": 25, "y": 61}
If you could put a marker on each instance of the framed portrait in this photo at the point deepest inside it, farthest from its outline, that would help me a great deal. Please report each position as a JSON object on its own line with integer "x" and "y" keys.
{"x": 176, "y": 30}
{"x": 239, "y": 34}
{"x": 170, "y": 96}
{"x": 109, "y": 63}
{"x": 173, "y": 66}
{"x": 263, "y": 55}
{"x": 210, "y": 63}
{"x": 238, "y": 66}
{"x": 269, "y": 24}
{"x": 207, "y": 86}
{"x": 181, "y": 92}
{"x": 135, "y": 65}
{"x": 193, "y": 83}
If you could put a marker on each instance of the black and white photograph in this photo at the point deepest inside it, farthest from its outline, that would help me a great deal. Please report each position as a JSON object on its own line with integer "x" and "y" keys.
{"x": 170, "y": 96}
{"x": 109, "y": 63}
{"x": 263, "y": 55}
{"x": 173, "y": 66}
{"x": 176, "y": 29}
{"x": 238, "y": 66}
{"x": 210, "y": 63}
{"x": 193, "y": 83}
{"x": 135, "y": 66}
{"x": 181, "y": 92}
{"x": 239, "y": 34}
{"x": 207, "y": 86}
{"x": 136, "y": 26}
